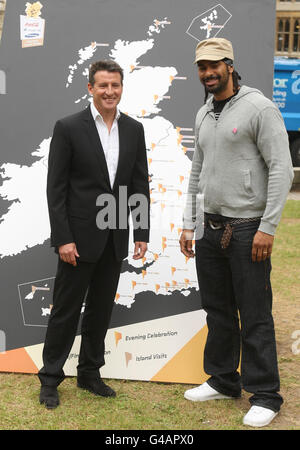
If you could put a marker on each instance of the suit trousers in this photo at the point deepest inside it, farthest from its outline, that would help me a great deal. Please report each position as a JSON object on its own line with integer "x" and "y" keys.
{"x": 237, "y": 297}
{"x": 97, "y": 283}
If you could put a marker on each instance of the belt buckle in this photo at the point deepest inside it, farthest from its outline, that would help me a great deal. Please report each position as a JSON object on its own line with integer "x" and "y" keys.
{"x": 213, "y": 226}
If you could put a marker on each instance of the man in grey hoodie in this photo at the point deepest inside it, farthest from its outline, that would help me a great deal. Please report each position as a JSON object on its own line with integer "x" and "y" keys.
{"x": 242, "y": 167}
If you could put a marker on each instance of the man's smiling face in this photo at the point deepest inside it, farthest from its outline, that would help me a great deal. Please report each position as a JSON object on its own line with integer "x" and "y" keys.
{"x": 214, "y": 75}
{"x": 106, "y": 90}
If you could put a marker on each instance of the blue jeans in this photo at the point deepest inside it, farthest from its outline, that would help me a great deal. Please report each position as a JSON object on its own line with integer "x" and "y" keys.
{"x": 237, "y": 297}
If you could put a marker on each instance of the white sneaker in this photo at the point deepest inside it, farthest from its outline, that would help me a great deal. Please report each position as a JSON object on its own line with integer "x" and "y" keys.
{"x": 258, "y": 416}
{"x": 203, "y": 393}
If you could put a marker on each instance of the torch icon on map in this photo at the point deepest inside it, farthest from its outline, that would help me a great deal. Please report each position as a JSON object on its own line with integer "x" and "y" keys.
{"x": 118, "y": 337}
{"x": 128, "y": 357}
{"x": 34, "y": 289}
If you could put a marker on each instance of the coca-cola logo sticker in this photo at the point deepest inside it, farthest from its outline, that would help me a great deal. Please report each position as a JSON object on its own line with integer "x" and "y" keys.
{"x": 32, "y": 26}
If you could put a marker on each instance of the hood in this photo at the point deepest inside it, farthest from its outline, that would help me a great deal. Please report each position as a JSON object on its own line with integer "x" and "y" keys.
{"x": 244, "y": 90}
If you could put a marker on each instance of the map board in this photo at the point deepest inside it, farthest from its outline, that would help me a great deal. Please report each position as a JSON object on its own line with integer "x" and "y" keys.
{"x": 158, "y": 329}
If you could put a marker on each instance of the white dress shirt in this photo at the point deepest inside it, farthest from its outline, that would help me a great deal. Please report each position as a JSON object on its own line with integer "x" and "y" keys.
{"x": 109, "y": 141}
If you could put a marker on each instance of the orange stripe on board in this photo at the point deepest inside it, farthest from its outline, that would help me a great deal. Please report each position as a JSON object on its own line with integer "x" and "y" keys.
{"x": 17, "y": 360}
{"x": 187, "y": 365}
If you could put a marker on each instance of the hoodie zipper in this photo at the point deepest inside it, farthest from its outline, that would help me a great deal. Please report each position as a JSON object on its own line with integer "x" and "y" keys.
{"x": 227, "y": 106}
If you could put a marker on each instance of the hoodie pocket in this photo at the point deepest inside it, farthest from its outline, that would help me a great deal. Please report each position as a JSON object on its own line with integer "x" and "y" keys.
{"x": 247, "y": 181}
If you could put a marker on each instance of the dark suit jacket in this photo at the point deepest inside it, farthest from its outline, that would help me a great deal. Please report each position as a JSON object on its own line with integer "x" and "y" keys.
{"x": 78, "y": 174}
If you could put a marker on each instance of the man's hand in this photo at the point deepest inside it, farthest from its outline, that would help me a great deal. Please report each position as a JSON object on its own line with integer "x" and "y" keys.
{"x": 186, "y": 243}
{"x": 68, "y": 253}
{"x": 140, "y": 249}
{"x": 262, "y": 246}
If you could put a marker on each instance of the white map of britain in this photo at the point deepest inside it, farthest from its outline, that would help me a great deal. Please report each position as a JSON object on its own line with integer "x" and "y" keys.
{"x": 26, "y": 222}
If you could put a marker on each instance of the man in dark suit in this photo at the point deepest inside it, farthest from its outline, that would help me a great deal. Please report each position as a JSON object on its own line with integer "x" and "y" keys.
{"x": 97, "y": 162}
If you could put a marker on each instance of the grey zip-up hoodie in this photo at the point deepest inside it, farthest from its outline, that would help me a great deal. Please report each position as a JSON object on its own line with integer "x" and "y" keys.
{"x": 242, "y": 163}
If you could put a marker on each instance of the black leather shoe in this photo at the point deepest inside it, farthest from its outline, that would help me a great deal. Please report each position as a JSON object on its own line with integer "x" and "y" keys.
{"x": 49, "y": 397}
{"x": 97, "y": 387}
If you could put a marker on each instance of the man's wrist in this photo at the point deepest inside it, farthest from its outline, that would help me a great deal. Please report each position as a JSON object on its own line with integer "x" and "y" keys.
{"x": 189, "y": 233}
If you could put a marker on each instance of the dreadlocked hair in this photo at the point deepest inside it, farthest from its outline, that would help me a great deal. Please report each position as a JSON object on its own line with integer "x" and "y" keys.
{"x": 235, "y": 78}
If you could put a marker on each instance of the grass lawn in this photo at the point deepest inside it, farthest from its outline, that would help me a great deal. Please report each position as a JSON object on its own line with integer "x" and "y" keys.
{"x": 161, "y": 406}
